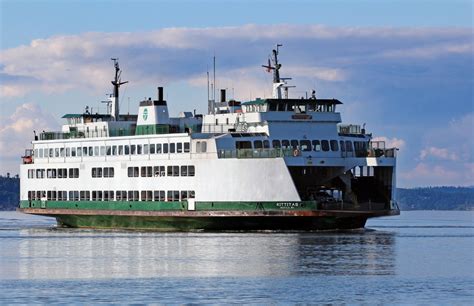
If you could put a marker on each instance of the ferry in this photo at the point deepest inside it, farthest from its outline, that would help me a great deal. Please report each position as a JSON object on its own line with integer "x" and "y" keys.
{"x": 275, "y": 163}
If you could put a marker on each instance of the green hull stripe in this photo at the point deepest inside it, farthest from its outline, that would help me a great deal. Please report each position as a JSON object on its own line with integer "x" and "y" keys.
{"x": 169, "y": 206}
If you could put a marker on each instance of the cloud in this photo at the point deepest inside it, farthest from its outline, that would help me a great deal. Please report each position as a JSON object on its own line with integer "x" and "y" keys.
{"x": 451, "y": 141}
{"x": 441, "y": 153}
{"x": 447, "y": 157}
{"x": 433, "y": 174}
{"x": 17, "y": 129}
{"x": 330, "y": 54}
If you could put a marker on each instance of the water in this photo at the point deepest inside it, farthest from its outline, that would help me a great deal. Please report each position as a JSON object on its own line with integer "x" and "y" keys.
{"x": 422, "y": 257}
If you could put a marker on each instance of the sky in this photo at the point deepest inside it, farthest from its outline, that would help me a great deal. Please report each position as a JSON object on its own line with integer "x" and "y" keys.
{"x": 404, "y": 68}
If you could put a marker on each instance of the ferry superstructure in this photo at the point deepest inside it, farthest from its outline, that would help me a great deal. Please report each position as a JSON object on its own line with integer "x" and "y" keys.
{"x": 268, "y": 164}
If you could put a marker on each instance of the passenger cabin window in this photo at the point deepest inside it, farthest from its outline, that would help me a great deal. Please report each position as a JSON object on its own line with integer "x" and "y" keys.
{"x": 349, "y": 146}
{"x": 146, "y": 171}
{"x": 325, "y": 145}
{"x": 243, "y": 145}
{"x": 133, "y": 171}
{"x": 276, "y": 144}
{"x": 342, "y": 145}
{"x": 316, "y": 145}
{"x": 285, "y": 144}
{"x": 334, "y": 145}
{"x": 159, "y": 171}
{"x": 305, "y": 145}
{"x": 257, "y": 144}
{"x": 294, "y": 144}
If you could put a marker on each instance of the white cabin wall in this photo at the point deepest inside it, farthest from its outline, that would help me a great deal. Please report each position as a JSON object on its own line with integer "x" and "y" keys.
{"x": 214, "y": 180}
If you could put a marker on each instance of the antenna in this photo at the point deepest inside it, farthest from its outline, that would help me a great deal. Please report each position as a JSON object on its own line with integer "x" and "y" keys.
{"x": 214, "y": 89}
{"x": 208, "y": 98}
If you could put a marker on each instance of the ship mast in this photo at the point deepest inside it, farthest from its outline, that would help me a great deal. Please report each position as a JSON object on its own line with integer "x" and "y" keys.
{"x": 116, "y": 82}
{"x": 278, "y": 82}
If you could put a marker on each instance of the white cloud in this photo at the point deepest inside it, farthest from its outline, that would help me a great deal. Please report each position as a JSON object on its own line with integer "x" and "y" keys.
{"x": 441, "y": 153}
{"x": 319, "y": 73}
{"x": 17, "y": 130}
{"x": 452, "y": 141}
{"x": 436, "y": 175}
{"x": 447, "y": 157}
{"x": 60, "y": 63}
{"x": 432, "y": 51}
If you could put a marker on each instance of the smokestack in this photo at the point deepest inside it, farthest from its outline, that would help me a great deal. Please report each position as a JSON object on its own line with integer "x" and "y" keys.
{"x": 222, "y": 95}
{"x": 160, "y": 93}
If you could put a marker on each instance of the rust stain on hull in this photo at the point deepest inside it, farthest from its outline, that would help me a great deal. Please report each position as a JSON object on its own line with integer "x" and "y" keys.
{"x": 194, "y": 214}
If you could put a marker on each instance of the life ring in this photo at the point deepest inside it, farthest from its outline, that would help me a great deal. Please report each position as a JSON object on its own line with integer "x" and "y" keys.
{"x": 296, "y": 152}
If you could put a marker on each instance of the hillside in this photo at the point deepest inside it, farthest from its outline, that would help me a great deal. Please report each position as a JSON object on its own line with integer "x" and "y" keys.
{"x": 436, "y": 198}
{"x": 9, "y": 192}
{"x": 427, "y": 198}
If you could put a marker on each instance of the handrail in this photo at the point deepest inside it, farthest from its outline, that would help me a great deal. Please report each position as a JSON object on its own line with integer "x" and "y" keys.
{"x": 257, "y": 153}
{"x": 86, "y": 134}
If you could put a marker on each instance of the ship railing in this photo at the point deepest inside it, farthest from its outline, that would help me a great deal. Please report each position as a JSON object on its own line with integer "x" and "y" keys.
{"x": 241, "y": 127}
{"x": 375, "y": 149}
{"x": 350, "y": 129}
{"x": 86, "y": 134}
{"x": 219, "y": 128}
{"x": 254, "y": 153}
{"x": 378, "y": 149}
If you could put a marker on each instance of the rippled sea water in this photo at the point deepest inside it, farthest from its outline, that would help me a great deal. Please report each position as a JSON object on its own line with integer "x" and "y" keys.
{"x": 420, "y": 257}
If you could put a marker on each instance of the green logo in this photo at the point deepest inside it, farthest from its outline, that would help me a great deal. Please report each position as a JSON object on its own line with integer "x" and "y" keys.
{"x": 145, "y": 114}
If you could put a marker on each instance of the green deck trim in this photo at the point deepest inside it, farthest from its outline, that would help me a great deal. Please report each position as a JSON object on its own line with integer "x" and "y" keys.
{"x": 150, "y": 129}
{"x": 171, "y": 206}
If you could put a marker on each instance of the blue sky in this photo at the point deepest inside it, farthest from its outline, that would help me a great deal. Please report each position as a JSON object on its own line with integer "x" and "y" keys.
{"x": 403, "y": 67}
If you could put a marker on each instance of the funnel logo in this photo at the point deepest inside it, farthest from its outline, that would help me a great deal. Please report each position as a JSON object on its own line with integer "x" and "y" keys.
{"x": 145, "y": 114}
